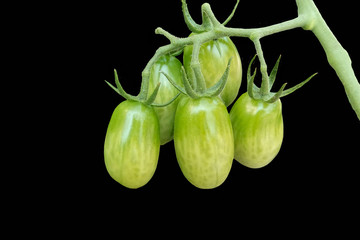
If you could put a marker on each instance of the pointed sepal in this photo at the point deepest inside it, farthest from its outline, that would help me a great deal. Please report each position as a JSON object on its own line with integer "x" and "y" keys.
{"x": 188, "y": 89}
{"x": 252, "y": 89}
{"x": 153, "y": 96}
{"x": 119, "y": 89}
{"x": 177, "y": 86}
{"x": 277, "y": 95}
{"x": 232, "y": 13}
{"x": 296, "y": 87}
{"x": 167, "y": 103}
{"x": 273, "y": 73}
{"x": 282, "y": 92}
{"x": 220, "y": 85}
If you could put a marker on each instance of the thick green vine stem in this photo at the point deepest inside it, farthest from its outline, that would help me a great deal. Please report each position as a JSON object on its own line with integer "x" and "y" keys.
{"x": 309, "y": 18}
{"x": 337, "y": 56}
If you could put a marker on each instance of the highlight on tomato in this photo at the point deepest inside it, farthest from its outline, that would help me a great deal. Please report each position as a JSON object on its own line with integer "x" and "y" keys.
{"x": 132, "y": 144}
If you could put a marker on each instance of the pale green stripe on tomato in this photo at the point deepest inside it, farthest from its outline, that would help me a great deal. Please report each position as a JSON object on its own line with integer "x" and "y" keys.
{"x": 132, "y": 144}
{"x": 203, "y": 141}
{"x": 258, "y": 131}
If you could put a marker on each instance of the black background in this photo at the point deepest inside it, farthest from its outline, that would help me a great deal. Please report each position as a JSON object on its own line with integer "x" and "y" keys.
{"x": 317, "y": 164}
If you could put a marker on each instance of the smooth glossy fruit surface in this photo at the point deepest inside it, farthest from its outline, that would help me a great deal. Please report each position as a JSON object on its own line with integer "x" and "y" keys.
{"x": 258, "y": 131}
{"x": 132, "y": 144}
{"x": 204, "y": 141}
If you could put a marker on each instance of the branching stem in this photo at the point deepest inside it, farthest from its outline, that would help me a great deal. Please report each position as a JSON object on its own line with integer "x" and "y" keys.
{"x": 308, "y": 18}
{"x": 263, "y": 67}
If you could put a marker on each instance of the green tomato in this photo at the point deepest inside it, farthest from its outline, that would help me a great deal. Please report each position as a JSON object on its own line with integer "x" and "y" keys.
{"x": 132, "y": 144}
{"x": 214, "y": 56}
{"x": 166, "y": 115}
{"x": 258, "y": 130}
{"x": 204, "y": 142}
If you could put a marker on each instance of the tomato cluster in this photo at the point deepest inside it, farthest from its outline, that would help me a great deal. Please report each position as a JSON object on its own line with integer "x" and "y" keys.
{"x": 206, "y": 137}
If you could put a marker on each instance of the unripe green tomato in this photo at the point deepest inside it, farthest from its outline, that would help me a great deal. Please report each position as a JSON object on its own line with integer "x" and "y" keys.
{"x": 204, "y": 142}
{"x": 132, "y": 144}
{"x": 166, "y": 115}
{"x": 214, "y": 56}
{"x": 258, "y": 131}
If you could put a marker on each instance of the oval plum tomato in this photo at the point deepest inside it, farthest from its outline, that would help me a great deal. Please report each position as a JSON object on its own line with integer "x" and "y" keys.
{"x": 214, "y": 56}
{"x": 166, "y": 115}
{"x": 258, "y": 130}
{"x": 132, "y": 144}
{"x": 204, "y": 142}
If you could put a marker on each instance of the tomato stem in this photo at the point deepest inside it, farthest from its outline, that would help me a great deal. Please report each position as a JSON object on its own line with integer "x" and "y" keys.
{"x": 192, "y": 25}
{"x": 209, "y": 19}
{"x": 168, "y": 35}
{"x": 263, "y": 68}
{"x": 308, "y": 18}
{"x": 199, "y": 81}
{"x": 337, "y": 56}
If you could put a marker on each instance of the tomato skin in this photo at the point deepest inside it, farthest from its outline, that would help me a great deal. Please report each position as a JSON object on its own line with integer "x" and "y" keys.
{"x": 214, "y": 56}
{"x": 204, "y": 143}
{"x": 166, "y": 115}
{"x": 258, "y": 130}
{"x": 132, "y": 144}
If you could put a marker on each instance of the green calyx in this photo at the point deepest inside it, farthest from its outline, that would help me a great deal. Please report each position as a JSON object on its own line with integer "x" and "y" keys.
{"x": 189, "y": 90}
{"x": 208, "y": 18}
{"x": 142, "y": 97}
{"x": 270, "y": 97}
